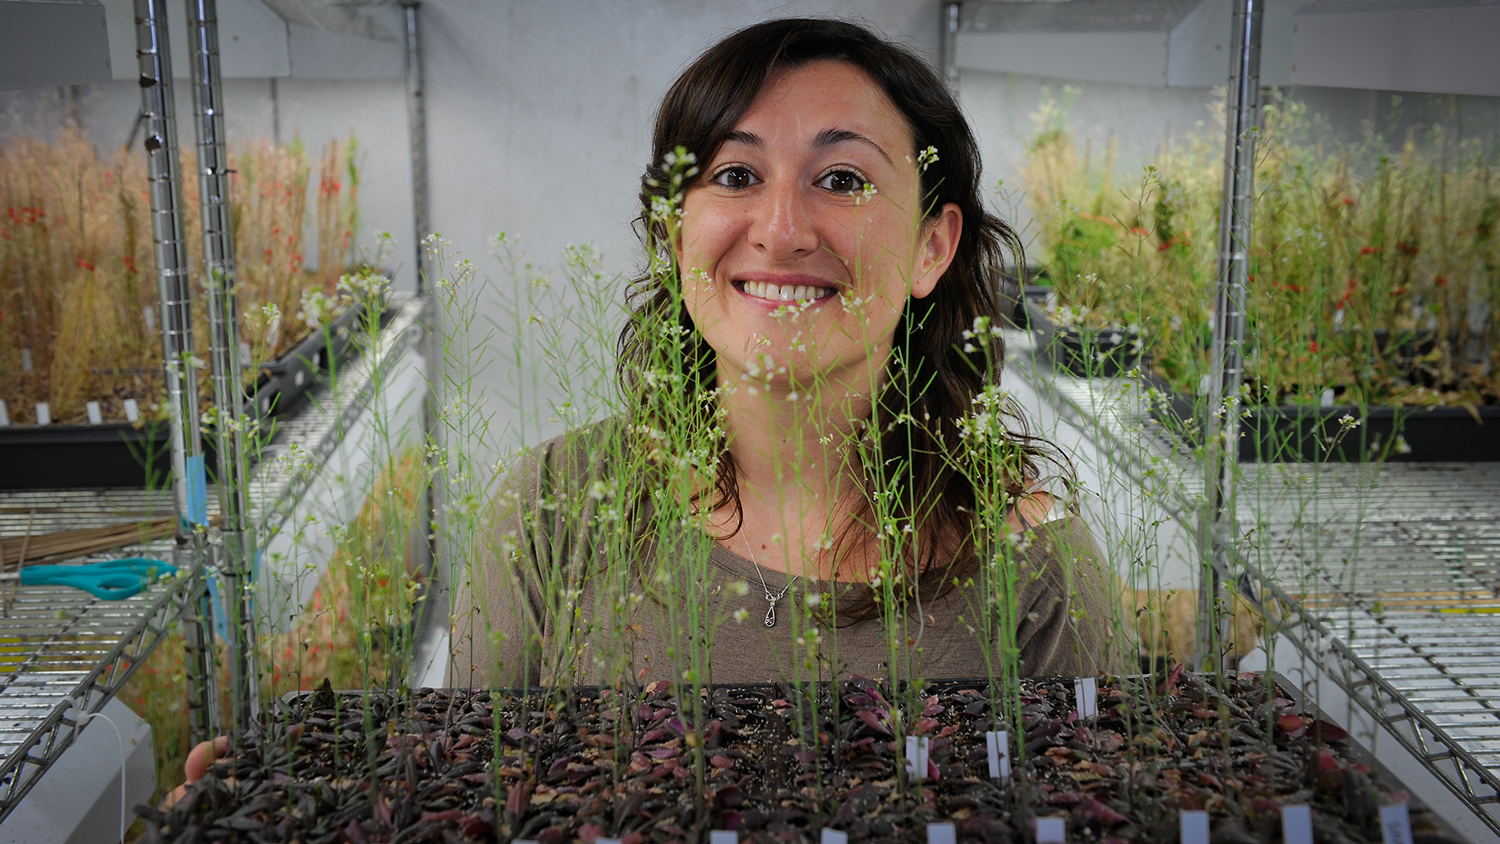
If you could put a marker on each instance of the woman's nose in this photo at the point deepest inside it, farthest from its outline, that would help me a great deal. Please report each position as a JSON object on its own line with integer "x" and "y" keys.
{"x": 784, "y": 224}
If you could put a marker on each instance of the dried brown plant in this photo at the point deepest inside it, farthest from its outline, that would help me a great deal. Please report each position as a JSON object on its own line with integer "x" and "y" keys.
{"x": 77, "y": 283}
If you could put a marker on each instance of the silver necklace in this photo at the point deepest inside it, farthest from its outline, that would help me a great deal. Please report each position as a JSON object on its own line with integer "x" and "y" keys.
{"x": 770, "y": 598}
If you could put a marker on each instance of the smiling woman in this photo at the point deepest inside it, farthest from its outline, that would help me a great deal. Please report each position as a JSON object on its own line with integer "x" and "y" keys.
{"x": 811, "y": 411}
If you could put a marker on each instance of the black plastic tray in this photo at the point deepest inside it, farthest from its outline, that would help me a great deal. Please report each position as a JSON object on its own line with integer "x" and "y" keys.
{"x": 1301, "y": 433}
{"x": 282, "y": 380}
{"x": 118, "y": 454}
{"x": 1104, "y": 352}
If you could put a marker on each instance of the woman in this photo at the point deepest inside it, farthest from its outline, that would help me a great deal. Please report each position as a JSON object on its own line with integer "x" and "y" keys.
{"x": 830, "y": 263}
{"x": 827, "y": 258}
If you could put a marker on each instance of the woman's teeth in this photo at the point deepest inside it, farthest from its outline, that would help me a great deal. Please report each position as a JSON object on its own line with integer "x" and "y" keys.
{"x": 785, "y": 292}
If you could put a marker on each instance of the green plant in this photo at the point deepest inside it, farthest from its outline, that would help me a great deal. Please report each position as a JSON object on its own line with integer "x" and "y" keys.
{"x": 1372, "y": 263}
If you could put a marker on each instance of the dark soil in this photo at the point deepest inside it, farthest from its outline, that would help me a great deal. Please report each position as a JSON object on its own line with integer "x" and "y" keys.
{"x": 584, "y": 764}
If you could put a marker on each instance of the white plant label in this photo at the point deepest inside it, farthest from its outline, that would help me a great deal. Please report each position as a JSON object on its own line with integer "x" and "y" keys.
{"x": 150, "y": 314}
{"x": 1086, "y": 694}
{"x": 997, "y": 745}
{"x": 1296, "y": 825}
{"x": 244, "y": 355}
{"x": 43, "y": 413}
{"x": 834, "y": 836}
{"x": 132, "y": 411}
{"x": 1051, "y": 831}
{"x": 1194, "y": 827}
{"x": 96, "y": 417}
{"x": 603, "y": 840}
{"x": 4, "y": 415}
{"x": 1395, "y": 824}
{"x": 916, "y": 757}
{"x": 941, "y": 833}
{"x": 25, "y": 360}
{"x": 723, "y": 836}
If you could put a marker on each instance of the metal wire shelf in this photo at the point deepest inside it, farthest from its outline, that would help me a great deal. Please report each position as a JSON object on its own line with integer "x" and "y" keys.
{"x": 62, "y": 648}
{"x": 1388, "y": 575}
{"x": 59, "y": 646}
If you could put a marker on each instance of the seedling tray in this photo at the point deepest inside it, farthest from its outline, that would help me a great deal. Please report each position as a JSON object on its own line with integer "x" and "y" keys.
{"x": 783, "y": 763}
{"x": 118, "y": 454}
{"x": 1303, "y": 433}
{"x": 1106, "y": 352}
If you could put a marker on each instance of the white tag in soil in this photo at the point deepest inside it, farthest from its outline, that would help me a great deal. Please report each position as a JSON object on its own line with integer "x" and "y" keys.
{"x": 941, "y": 833}
{"x": 25, "y": 360}
{"x": 96, "y": 417}
{"x": 1296, "y": 825}
{"x": 1051, "y": 831}
{"x": 834, "y": 836}
{"x": 723, "y": 836}
{"x": 1194, "y": 827}
{"x": 997, "y": 745}
{"x": 1395, "y": 824}
{"x": 43, "y": 413}
{"x": 916, "y": 757}
{"x": 150, "y": 314}
{"x": 132, "y": 411}
{"x": 1086, "y": 696}
{"x": 4, "y": 415}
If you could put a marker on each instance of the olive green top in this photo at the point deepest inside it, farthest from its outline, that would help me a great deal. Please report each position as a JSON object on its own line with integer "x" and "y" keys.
{"x": 543, "y": 538}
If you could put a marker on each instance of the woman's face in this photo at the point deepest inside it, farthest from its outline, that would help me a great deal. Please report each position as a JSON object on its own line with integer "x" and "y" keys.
{"x": 804, "y": 236}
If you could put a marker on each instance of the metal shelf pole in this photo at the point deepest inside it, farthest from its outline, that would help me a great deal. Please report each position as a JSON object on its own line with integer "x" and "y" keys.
{"x": 1221, "y": 441}
{"x": 952, "y": 19}
{"x": 416, "y": 120}
{"x": 174, "y": 294}
{"x": 237, "y": 550}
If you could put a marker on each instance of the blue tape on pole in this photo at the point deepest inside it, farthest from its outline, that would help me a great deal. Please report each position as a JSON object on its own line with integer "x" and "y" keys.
{"x": 197, "y": 491}
{"x": 221, "y": 625}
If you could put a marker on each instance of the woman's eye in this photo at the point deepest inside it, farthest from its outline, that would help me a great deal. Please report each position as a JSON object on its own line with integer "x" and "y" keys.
{"x": 734, "y": 178}
{"x": 843, "y": 181}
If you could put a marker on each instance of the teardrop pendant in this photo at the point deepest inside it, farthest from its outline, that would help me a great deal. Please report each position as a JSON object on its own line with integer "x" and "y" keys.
{"x": 771, "y": 614}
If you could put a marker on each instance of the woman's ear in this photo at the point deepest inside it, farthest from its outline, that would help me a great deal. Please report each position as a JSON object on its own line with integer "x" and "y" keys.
{"x": 939, "y": 243}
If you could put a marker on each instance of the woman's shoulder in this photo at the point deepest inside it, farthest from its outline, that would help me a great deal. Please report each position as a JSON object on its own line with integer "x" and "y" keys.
{"x": 1059, "y": 549}
{"x": 566, "y": 466}
{"x": 573, "y": 453}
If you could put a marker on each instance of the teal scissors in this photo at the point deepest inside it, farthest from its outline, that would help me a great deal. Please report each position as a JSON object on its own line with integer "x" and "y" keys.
{"x": 114, "y": 580}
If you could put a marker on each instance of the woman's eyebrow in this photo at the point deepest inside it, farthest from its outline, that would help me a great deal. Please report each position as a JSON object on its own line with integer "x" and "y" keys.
{"x": 749, "y": 139}
{"x": 825, "y": 138}
{"x": 829, "y": 137}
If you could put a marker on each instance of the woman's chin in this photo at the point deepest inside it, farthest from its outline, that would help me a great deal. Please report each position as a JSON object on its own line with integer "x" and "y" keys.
{"x": 805, "y": 380}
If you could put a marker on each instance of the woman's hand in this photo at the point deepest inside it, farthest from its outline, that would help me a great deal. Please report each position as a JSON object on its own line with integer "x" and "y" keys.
{"x": 196, "y": 766}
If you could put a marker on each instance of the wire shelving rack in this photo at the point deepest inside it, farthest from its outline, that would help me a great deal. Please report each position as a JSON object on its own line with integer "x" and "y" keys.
{"x": 1387, "y": 576}
{"x": 61, "y": 647}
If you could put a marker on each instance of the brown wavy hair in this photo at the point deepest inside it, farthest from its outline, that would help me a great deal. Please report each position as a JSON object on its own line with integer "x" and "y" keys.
{"x": 918, "y": 409}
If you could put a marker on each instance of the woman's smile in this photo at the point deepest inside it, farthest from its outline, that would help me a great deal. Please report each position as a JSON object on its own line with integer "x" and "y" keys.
{"x": 778, "y": 290}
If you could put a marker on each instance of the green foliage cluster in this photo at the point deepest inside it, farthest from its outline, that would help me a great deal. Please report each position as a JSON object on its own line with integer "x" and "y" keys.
{"x": 1375, "y": 272}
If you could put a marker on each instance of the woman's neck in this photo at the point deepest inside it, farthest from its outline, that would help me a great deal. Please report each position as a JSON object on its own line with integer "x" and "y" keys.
{"x": 794, "y": 467}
